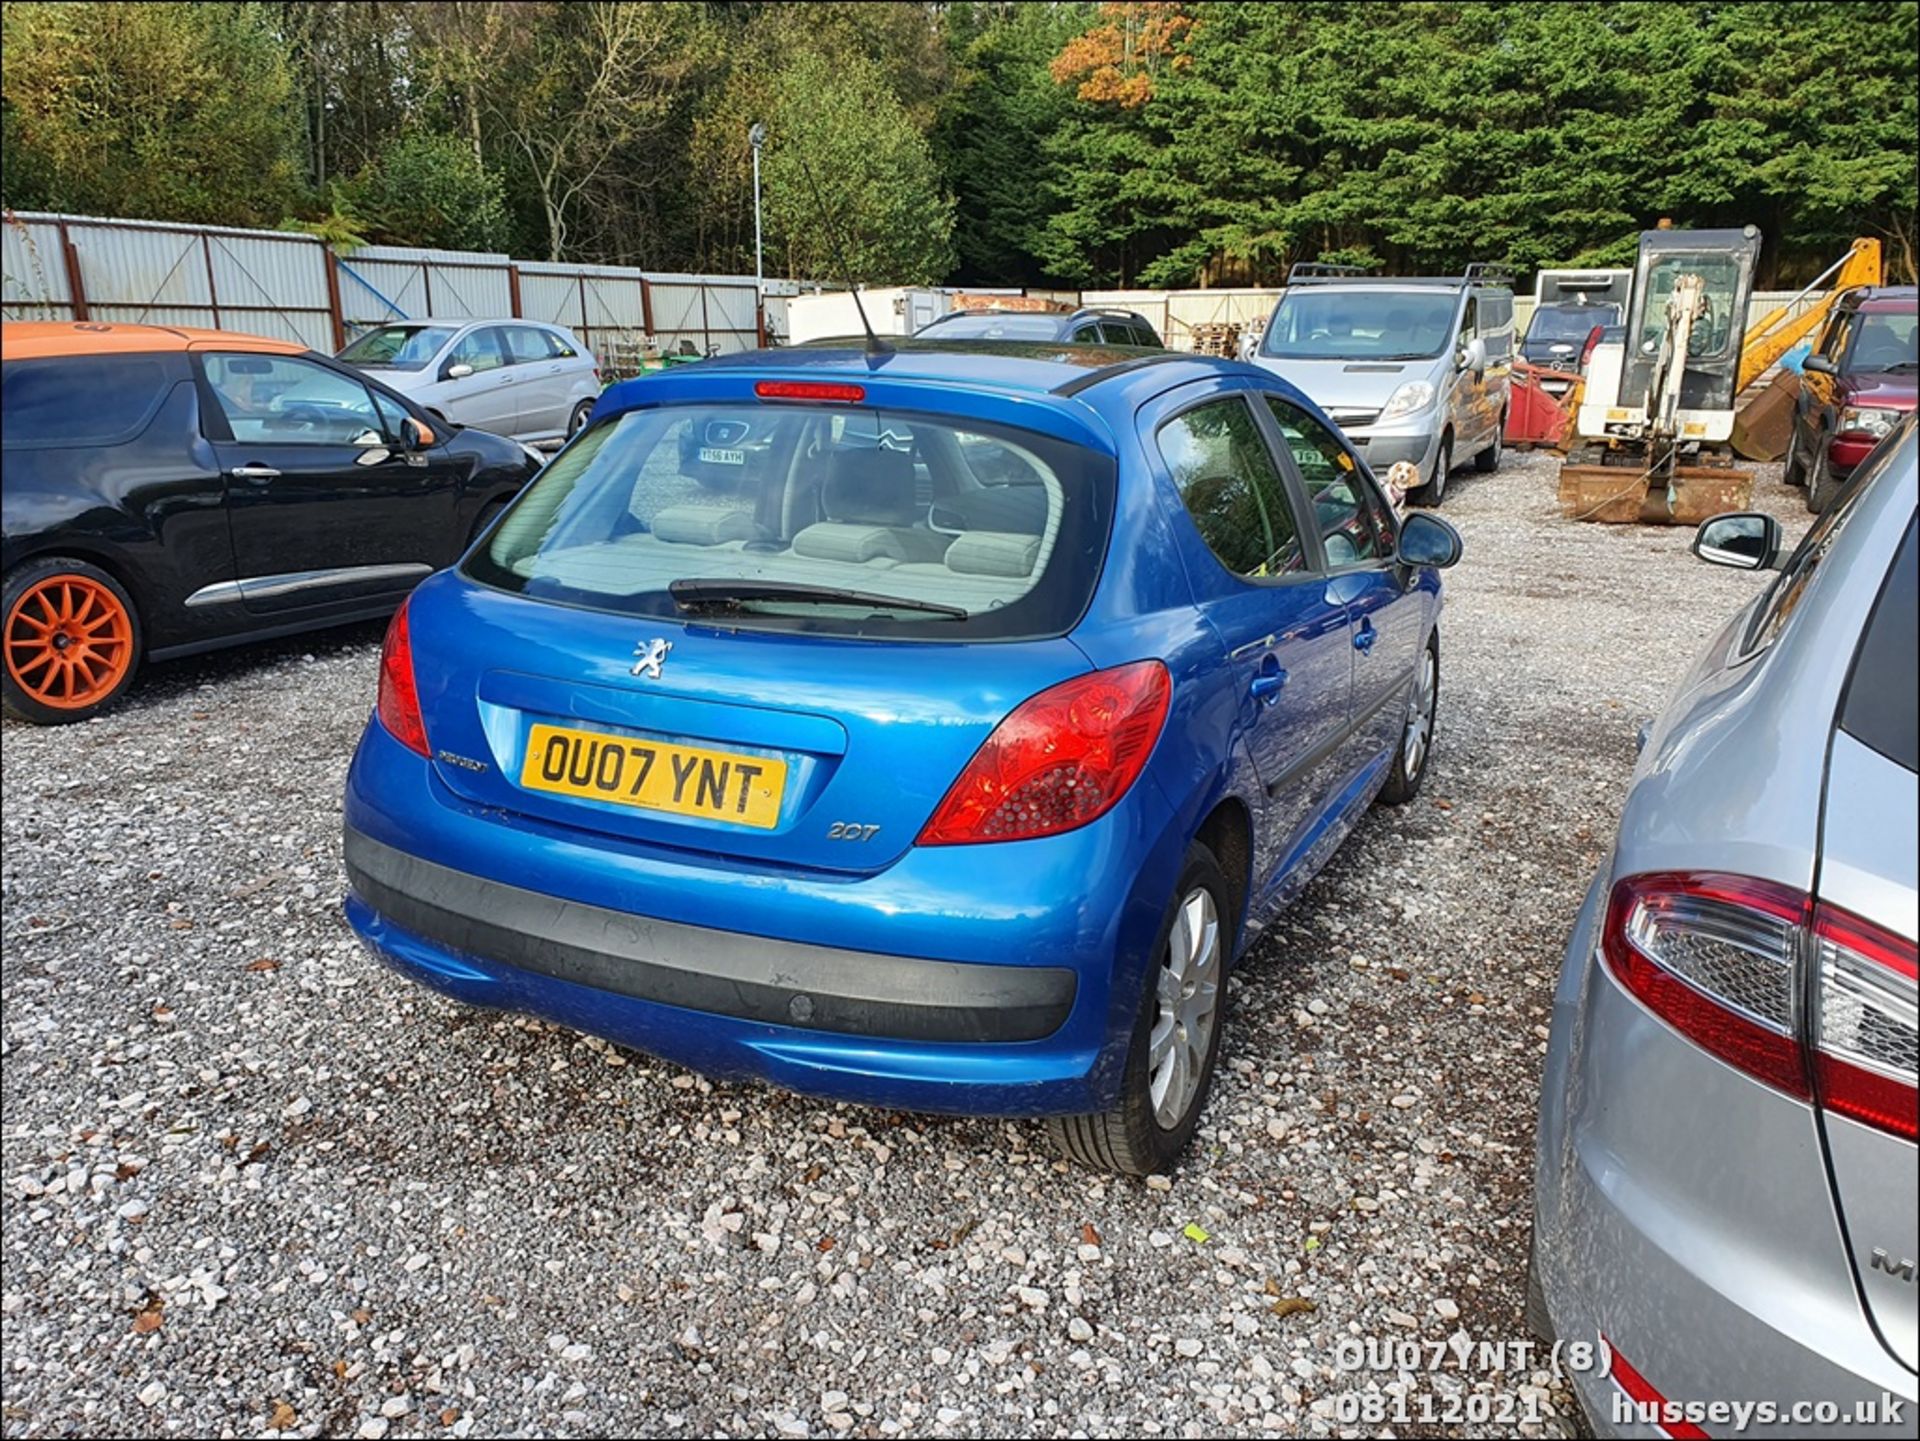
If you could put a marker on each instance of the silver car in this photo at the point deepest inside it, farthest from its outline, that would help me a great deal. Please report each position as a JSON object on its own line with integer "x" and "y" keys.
{"x": 523, "y": 378}
{"x": 1726, "y": 1158}
{"x": 1411, "y": 368}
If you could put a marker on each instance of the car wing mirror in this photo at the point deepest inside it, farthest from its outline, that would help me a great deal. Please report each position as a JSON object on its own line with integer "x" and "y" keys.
{"x": 459, "y": 370}
{"x": 1473, "y": 355}
{"x": 1819, "y": 365}
{"x": 416, "y": 434}
{"x": 1427, "y": 540}
{"x": 1741, "y": 540}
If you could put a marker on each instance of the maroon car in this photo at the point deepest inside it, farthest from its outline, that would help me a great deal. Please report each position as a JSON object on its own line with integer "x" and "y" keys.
{"x": 1855, "y": 386}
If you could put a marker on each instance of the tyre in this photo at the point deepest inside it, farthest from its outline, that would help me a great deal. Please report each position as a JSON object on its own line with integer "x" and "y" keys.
{"x": 1794, "y": 472}
{"x": 1821, "y": 483}
{"x": 72, "y": 638}
{"x": 1435, "y": 490}
{"x": 1488, "y": 461}
{"x": 1176, "y": 1037}
{"x": 1416, "y": 737}
{"x": 578, "y": 420}
{"x": 1534, "y": 1316}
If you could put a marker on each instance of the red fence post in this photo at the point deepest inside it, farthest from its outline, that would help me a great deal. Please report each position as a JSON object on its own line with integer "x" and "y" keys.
{"x": 333, "y": 297}
{"x": 75, "y": 289}
{"x": 513, "y": 287}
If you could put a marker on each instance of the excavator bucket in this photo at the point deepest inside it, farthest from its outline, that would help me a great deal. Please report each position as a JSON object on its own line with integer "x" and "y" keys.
{"x": 1624, "y": 494}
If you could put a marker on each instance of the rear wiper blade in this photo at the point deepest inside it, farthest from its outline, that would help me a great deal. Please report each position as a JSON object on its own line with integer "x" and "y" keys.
{"x": 722, "y": 592}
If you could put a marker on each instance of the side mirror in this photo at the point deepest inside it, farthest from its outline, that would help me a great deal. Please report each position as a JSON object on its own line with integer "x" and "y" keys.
{"x": 457, "y": 371}
{"x": 1742, "y": 539}
{"x": 1473, "y": 355}
{"x": 1427, "y": 540}
{"x": 416, "y": 435}
{"x": 1819, "y": 365}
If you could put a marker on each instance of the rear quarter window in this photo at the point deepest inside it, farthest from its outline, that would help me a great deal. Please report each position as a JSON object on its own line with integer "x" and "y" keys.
{"x": 1882, "y": 705}
{"x": 82, "y": 400}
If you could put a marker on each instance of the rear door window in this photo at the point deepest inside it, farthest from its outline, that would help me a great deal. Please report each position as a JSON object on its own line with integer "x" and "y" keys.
{"x": 826, "y": 519}
{"x": 76, "y": 400}
{"x": 1882, "y": 706}
{"x": 525, "y": 344}
{"x": 1227, "y": 478}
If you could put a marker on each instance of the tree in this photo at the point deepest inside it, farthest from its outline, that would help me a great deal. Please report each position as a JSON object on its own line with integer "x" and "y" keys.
{"x": 430, "y": 189}
{"x": 159, "y": 111}
{"x": 834, "y": 126}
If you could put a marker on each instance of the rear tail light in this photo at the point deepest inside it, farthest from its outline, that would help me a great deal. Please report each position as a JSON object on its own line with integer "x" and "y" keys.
{"x": 1724, "y": 960}
{"x": 399, "y": 703}
{"x": 1061, "y": 759}
{"x": 1865, "y": 1063}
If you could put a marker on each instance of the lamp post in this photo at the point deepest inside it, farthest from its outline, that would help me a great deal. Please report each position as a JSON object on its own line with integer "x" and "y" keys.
{"x": 757, "y": 137}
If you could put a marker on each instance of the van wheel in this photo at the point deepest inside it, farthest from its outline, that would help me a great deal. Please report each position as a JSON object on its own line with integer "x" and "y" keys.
{"x": 1488, "y": 461}
{"x": 72, "y": 640}
{"x": 1435, "y": 490}
{"x": 1176, "y": 1037}
{"x": 1416, "y": 736}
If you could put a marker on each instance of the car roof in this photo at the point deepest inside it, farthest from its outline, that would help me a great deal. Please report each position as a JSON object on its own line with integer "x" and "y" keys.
{"x": 1035, "y": 366}
{"x": 1884, "y": 299}
{"x": 44, "y": 339}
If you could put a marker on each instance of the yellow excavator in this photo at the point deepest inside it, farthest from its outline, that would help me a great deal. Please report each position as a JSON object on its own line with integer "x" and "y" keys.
{"x": 1655, "y": 420}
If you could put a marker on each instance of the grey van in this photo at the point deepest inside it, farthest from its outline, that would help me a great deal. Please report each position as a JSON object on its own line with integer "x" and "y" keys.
{"x": 1410, "y": 367}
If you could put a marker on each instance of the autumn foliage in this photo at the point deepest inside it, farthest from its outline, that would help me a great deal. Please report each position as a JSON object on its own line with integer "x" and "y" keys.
{"x": 1117, "y": 59}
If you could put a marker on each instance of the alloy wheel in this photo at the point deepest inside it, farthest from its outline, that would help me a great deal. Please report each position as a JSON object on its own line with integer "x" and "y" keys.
{"x": 1420, "y": 706}
{"x": 69, "y": 642}
{"x": 1187, "y": 994}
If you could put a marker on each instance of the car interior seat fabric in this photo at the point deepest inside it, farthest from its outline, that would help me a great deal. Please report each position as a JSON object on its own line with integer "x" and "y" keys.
{"x": 705, "y": 524}
{"x": 867, "y": 499}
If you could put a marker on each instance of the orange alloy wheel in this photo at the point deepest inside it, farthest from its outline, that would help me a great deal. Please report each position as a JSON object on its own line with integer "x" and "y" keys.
{"x": 69, "y": 642}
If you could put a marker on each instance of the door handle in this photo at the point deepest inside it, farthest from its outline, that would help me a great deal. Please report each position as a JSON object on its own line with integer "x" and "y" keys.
{"x": 1267, "y": 686}
{"x": 256, "y": 474}
{"x": 1365, "y": 637}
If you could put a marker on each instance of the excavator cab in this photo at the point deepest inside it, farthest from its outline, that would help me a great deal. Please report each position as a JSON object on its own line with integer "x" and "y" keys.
{"x": 1725, "y": 261}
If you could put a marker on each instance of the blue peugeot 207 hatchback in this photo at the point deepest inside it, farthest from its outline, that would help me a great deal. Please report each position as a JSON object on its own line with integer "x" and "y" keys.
{"x": 937, "y": 744}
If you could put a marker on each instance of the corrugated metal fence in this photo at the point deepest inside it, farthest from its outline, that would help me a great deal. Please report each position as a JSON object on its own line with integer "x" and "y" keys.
{"x": 270, "y": 283}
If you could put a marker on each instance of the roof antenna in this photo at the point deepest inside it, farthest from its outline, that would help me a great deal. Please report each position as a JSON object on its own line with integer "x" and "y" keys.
{"x": 875, "y": 345}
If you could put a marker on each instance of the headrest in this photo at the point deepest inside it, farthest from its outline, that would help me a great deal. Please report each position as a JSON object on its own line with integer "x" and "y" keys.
{"x": 869, "y": 486}
{"x": 704, "y": 524}
{"x": 993, "y": 552}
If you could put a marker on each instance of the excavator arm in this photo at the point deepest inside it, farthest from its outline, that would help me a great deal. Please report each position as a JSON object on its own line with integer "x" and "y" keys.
{"x": 1778, "y": 331}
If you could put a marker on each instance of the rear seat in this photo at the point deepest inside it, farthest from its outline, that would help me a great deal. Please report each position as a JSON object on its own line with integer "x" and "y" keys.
{"x": 868, "y": 501}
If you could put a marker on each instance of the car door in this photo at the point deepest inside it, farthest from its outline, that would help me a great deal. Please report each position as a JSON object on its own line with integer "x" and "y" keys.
{"x": 324, "y": 508}
{"x": 1386, "y": 612}
{"x": 539, "y": 382}
{"x": 477, "y": 382}
{"x": 1257, "y": 581}
{"x": 1467, "y": 405}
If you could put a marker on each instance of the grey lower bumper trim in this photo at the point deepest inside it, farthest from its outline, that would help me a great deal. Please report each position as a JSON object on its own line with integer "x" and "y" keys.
{"x": 785, "y": 983}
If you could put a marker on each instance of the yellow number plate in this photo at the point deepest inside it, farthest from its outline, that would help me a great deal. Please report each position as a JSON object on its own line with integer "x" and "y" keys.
{"x": 680, "y": 780}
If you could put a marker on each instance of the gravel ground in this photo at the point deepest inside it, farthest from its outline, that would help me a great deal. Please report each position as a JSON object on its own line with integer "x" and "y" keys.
{"x": 253, "y": 1182}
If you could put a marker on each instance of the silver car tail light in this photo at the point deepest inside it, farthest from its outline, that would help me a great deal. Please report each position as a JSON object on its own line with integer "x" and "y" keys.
{"x": 1725, "y": 960}
{"x": 1867, "y": 1028}
{"x": 1715, "y": 956}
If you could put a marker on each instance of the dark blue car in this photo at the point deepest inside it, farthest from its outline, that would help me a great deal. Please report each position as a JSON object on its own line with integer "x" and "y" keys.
{"x": 943, "y": 756}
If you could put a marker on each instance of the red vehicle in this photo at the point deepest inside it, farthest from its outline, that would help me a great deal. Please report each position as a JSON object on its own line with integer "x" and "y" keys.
{"x": 1855, "y": 387}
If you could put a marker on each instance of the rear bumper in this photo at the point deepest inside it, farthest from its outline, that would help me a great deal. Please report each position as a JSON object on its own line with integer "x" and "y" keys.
{"x": 749, "y": 978}
{"x": 1700, "y": 1238}
{"x": 979, "y": 980}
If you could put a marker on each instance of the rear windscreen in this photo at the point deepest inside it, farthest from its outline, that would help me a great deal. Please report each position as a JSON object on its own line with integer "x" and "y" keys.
{"x": 838, "y": 520}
